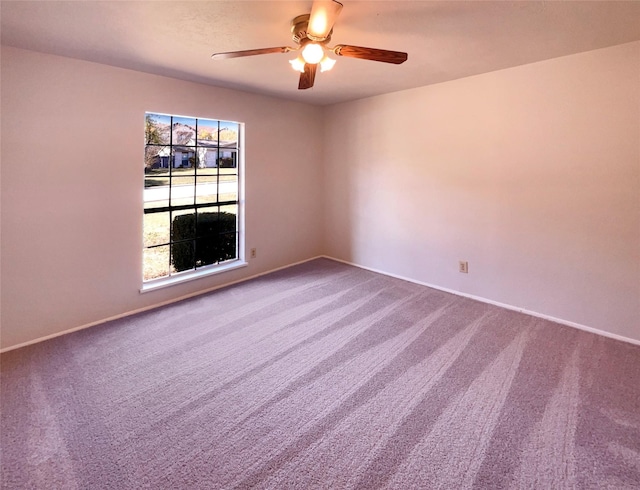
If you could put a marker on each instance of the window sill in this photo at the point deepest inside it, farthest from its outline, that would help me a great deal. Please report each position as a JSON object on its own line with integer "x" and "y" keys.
{"x": 190, "y": 276}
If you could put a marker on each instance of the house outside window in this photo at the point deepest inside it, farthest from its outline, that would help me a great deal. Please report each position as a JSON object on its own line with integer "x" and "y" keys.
{"x": 192, "y": 211}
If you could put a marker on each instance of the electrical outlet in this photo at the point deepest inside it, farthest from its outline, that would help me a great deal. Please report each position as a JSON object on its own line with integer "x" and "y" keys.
{"x": 253, "y": 253}
{"x": 463, "y": 266}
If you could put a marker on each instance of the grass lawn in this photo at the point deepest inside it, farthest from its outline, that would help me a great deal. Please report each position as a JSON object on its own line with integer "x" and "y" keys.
{"x": 160, "y": 176}
{"x": 156, "y": 231}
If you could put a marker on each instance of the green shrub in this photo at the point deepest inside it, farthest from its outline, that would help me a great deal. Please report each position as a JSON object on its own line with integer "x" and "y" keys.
{"x": 214, "y": 239}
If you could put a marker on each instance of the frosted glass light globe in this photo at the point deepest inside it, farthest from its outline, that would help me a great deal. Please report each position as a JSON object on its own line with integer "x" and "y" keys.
{"x": 312, "y": 53}
{"x": 297, "y": 64}
{"x": 326, "y": 64}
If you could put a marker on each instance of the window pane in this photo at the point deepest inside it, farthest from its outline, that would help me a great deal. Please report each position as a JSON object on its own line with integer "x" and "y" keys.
{"x": 156, "y": 262}
{"x": 227, "y": 157}
{"x": 207, "y": 251}
{"x": 207, "y": 132}
{"x": 206, "y": 190}
{"x": 182, "y": 256}
{"x": 232, "y": 212}
{"x": 208, "y": 170}
{"x": 156, "y": 228}
{"x": 228, "y": 243}
{"x": 228, "y": 187}
{"x": 207, "y": 232}
{"x": 228, "y": 134}
{"x": 182, "y": 235}
{"x": 157, "y": 129}
{"x": 156, "y": 160}
{"x": 207, "y": 221}
{"x": 214, "y": 230}
{"x": 183, "y": 191}
{"x": 183, "y": 160}
{"x": 208, "y": 160}
{"x": 156, "y": 176}
{"x": 183, "y": 131}
{"x": 228, "y": 232}
{"x": 156, "y": 197}
{"x": 184, "y": 225}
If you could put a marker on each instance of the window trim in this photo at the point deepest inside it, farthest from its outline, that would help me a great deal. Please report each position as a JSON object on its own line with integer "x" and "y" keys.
{"x": 186, "y": 276}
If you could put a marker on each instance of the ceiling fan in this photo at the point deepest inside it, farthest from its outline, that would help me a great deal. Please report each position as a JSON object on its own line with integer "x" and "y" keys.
{"x": 312, "y": 33}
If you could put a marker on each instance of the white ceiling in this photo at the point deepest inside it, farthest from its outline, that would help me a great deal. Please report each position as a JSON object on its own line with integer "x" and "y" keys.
{"x": 445, "y": 39}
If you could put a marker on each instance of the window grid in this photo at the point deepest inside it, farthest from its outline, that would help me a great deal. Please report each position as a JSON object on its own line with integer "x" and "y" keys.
{"x": 211, "y": 240}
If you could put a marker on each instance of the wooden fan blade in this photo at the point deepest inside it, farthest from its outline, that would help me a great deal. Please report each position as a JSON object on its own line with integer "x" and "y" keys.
{"x": 307, "y": 78}
{"x": 395, "y": 57}
{"x": 249, "y": 52}
{"x": 323, "y": 15}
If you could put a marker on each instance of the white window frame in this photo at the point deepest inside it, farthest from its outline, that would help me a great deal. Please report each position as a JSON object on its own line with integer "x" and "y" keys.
{"x": 221, "y": 267}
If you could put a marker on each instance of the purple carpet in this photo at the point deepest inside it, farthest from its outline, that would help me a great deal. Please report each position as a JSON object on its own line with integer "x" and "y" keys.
{"x": 323, "y": 375}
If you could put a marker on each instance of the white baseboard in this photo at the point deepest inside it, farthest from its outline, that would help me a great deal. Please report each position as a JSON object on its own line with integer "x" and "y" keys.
{"x": 150, "y": 307}
{"x": 561, "y": 321}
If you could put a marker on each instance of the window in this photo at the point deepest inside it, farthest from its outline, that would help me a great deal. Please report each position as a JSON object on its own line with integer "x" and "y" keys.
{"x": 191, "y": 204}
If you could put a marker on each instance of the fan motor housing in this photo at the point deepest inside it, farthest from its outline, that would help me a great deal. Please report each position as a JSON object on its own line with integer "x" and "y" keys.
{"x": 299, "y": 30}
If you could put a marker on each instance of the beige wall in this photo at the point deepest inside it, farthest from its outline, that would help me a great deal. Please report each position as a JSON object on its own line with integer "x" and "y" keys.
{"x": 72, "y": 147}
{"x": 531, "y": 174}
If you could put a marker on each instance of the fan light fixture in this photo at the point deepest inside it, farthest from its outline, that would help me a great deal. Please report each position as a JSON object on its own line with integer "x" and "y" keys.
{"x": 312, "y": 53}
{"x": 326, "y": 64}
{"x": 312, "y": 33}
{"x": 297, "y": 64}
